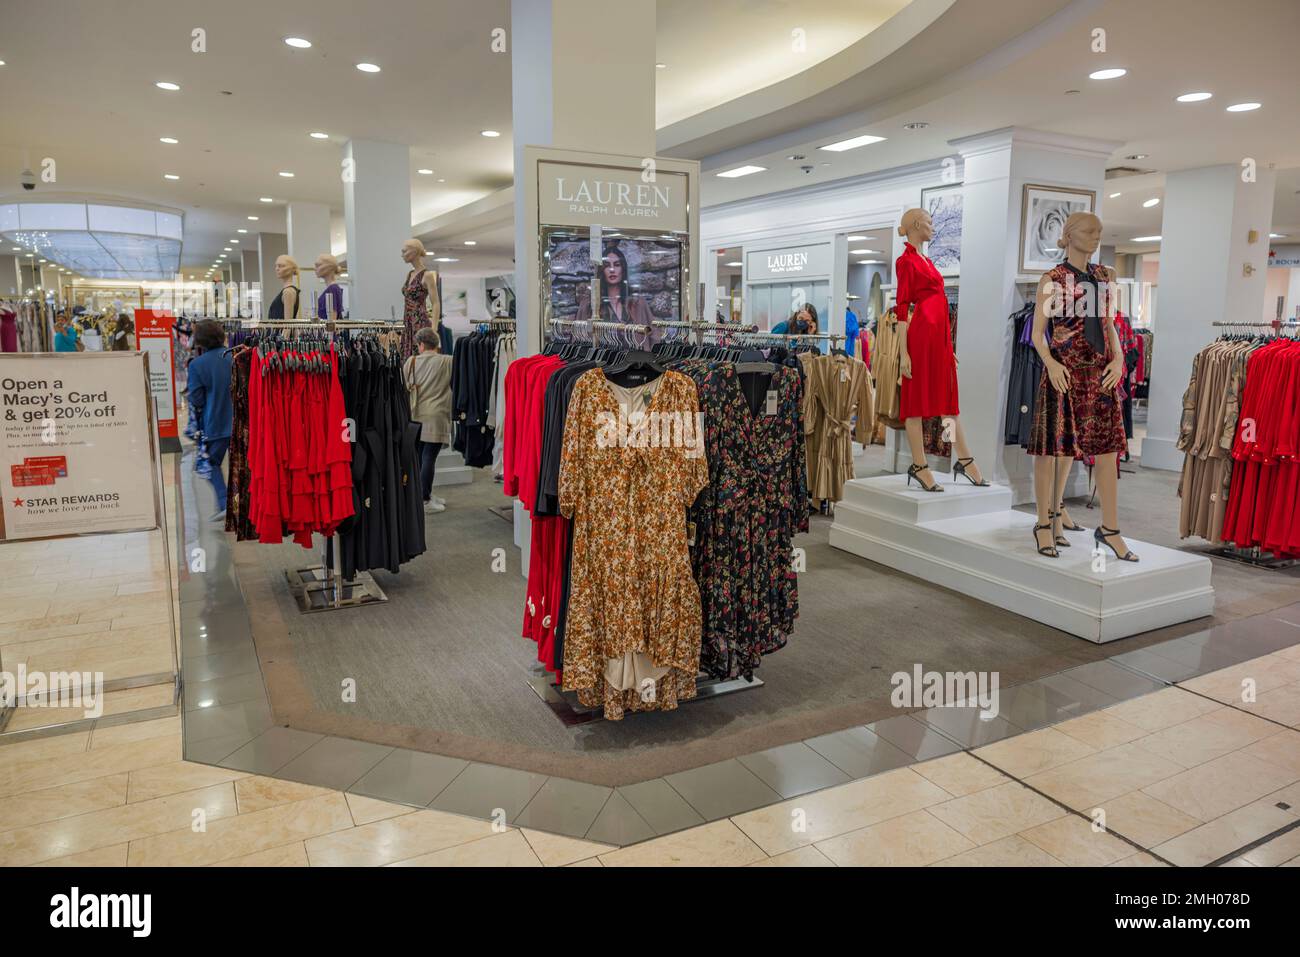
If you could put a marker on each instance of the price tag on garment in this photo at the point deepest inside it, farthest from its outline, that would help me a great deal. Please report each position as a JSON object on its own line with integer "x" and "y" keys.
{"x": 597, "y": 247}
{"x": 690, "y": 534}
{"x": 771, "y": 402}
{"x": 844, "y": 374}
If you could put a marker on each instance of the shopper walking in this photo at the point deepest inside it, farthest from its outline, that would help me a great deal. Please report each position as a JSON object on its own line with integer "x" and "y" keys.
{"x": 427, "y": 375}
{"x": 209, "y": 396}
{"x": 65, "y": 335}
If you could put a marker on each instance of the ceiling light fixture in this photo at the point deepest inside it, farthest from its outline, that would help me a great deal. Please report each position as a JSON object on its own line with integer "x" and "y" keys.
{"x": 298, "y": 43}
{"x": 1114, "y": 73}
{"x": 734, "y": 265}
{"x": 870, "y": 262}
{"x": 471, "y": 242}
{"x": 169, "y": 140}
{"x": 1137, "y": 156}
{"x": 446, "y": 259}
{"x": 425, "y": 172}
{"x": 166, "y": 85}
{"x": 857, "y": 239}
{"x": 1151, "y": 202}
{"x": 1146, "y": 239}
{"x": 864, "y": 252}
{"x": 1193, "y": 97}
{"x": 1243, "y": 107}
{"x": 241, "y": 230}
{"x": 232, "y": 240}
{"x": 286, "y": 174}
{"x": 1277, "y": 235}
{"x": 367, "y": 68}
{"x": 1115, "y": 195}
{"x": 490, "y": 134}
{"x": 742, "y": 171}
{"x": 225, "y": 249}
{"x": 319, "y": 135}
{"x": 252, "y": 219}
{"x": 661, "y": 66}
{"x": 265, "y": 199}
{"x": 918, "y": 125}
{"x": 442, "y": 181}
{"x": 851, "y": 144}
{"x": 170, "y": 176}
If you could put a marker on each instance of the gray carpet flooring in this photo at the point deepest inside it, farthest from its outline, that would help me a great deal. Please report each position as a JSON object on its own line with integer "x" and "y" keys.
{"x": 441, "y": 666}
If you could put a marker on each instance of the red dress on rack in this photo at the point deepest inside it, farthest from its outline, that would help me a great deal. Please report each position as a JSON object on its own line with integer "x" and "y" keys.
{"x": 932, "y": 389}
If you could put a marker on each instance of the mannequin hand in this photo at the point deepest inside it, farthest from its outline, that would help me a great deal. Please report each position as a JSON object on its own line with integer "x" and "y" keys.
{"x": 1114, "y": 372}
{"x": 1059, "y": 376}
{"x": 905, "y": 365}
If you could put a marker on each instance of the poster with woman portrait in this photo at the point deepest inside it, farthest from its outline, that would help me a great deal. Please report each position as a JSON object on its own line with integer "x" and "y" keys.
{"x": 1043, "y": 212}
{"x": 640, "y": 279}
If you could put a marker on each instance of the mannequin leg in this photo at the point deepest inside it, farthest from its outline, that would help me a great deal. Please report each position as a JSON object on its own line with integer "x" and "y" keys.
{"x": 1044, "y": 467}
{"x": 1064, "y": 464}
{"x": 962, "y": 449}
{"x": 1107, "y": 473}
{"x": 916, "y": 440}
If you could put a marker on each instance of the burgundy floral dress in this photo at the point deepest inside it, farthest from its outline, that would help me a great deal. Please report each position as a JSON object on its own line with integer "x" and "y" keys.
{"x": 415, "y": 312}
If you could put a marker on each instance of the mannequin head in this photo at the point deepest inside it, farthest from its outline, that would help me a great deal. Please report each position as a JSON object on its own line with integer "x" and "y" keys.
{"x": 326, "y": 267}
{"x": 1081, "y": 234}
{"x": 413, "y": 252}
{"x": 916, "y": 227}
{"x": 285, "y": 268}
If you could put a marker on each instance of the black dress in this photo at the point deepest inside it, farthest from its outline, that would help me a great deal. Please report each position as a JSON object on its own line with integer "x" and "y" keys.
{"x": 276, "y": 309}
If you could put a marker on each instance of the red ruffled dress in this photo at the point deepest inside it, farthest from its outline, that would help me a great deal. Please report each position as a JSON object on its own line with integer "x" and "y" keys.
{"x": 932, "y": 389}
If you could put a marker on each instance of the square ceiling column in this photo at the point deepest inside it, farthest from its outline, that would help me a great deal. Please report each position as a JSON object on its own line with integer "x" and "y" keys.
{"x": 377, "y": 210}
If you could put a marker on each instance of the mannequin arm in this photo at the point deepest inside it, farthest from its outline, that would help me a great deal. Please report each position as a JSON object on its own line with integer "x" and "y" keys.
{"x": 431, "y": 287}
{"x": 1057, "y": 373}
{"x": 290, "y": 300}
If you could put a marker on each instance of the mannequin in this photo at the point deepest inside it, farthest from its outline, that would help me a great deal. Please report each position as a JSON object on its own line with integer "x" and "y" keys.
{"x": 329, "y": 305}
{"x": 285, "y": 303}
{"x": 926, "y": 358}
{"x": 422, "y": 306}
{"x": 1078, "y": 411}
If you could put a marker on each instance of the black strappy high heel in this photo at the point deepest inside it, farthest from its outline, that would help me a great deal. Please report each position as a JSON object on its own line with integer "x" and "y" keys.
{"x": 1060, "y": 510}
{"x": 1102, "y": 533}
{"x": 959, "y": 468}
{"x": 914, "y": 472}
{"x": 1048, "y": 551}
{"x": 1061, "y": 540}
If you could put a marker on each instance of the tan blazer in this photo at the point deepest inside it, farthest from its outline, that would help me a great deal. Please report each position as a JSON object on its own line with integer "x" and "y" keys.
{"x": 428, "y": 383}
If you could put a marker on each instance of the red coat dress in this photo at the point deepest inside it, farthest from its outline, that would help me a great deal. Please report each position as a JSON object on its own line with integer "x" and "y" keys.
{"x": 932, "y": 390}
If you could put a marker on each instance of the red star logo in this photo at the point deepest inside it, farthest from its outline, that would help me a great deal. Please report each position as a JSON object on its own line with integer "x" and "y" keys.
{"x": 18, "y": 503}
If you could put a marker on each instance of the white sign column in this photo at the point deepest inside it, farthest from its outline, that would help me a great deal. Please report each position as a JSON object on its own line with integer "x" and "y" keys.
{"x": 1205, "y": 253}
{"x": 377, "y": 209}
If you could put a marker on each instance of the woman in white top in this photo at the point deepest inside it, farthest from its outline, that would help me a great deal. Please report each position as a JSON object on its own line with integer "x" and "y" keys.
{"x": 427, "y": 375}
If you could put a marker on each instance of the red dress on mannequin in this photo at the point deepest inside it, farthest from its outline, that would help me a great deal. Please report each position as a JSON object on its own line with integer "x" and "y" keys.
{"x": 932, "y": 390}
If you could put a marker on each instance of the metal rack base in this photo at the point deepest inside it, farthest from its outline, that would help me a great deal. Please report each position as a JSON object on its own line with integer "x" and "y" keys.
{"x": 564, "y": 704}
{"x": 316, "y": 589}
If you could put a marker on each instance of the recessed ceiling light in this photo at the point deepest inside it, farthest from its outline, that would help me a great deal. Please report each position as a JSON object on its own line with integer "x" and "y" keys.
{"x": 442, "y": 181}
{"x": 166, "y": 85}
{"x": 241, "y": 231}
{"x": 1136, "y": 156}
{"x": 1193, "y": 97}
{"x": 1146, "y": 239}
{"x": 298, "y": 43}
{"x": 857, "y": 239}
{"x": 367, "y": 68}
{"x": 741, "y": 171}
{"x": 864, "y": 252}
{"x": 661, "y": 66}
{"x": 425, "y": 172}
{"x": 16, "y": 249}
{"x": 852, "y": 144}
{"x": 446, "y": 259}
{"x": 1112, "y": 74}
{"x": 286, "y": 174}
{"x": 1151, "y": 202}
{"x": 252, "y": 219}
{"x": 169, "y": 140}
{"x": 1072, "y": 92}
{"x": 1277, "y": 235}
{"x": 170, "y": 176}
{"x": 490, "y": 134}
{"x": 918, "y": 125}
{"x": 265, "y": 199}
{"x": 734, "y": 264}
{"x": 1115, "y": 195}
{"x": 319, "y": 136}
{"x": 2, "y": 62}
{"x": 471, "y": 242}
{"x": 31, "y": 256}
{"x": 232, "y": 240}
{"x": 870, "y": 262}
{"x": 1243, "y": 107}
{"x": 225, "y": 249}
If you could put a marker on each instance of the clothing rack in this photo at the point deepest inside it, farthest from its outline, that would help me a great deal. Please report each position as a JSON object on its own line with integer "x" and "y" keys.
{"x": 1277, "y": 325}
{"x": 701, "y": 327}
{"x": 832, "y": 337}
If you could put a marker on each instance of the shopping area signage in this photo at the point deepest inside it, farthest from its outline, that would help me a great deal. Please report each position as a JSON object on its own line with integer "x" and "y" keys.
{"x": 155, "y": 333}
{"x": 796, "y": 262}
{"x": 77, "y": 448}
{"x": 640, "y": 197}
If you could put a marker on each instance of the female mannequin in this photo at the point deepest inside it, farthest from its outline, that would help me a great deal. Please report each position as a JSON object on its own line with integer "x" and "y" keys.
{"x": 329, "y": 305}
{"x": 422, "y": 302}
{"x": 926, "y": 358}
{"x": 285, "y": 303}
{"x": 1078, "y": 412}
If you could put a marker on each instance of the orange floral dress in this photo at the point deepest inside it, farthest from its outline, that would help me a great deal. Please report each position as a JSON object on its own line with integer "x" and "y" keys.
{"x": 633, "y": 632}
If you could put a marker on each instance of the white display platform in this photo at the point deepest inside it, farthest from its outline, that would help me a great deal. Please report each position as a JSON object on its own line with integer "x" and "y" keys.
{"x": 450, "y": 469}
{"x": 969, "y": 539}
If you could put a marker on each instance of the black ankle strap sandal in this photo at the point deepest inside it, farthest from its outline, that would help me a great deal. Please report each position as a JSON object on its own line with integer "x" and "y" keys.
{"x": 959, "y": 467}
{"x": 1061, "y": 540}
{"x": 1048, "y": 551}
{"x": 914, "y": 472}
{"x": 1102, "y": 533}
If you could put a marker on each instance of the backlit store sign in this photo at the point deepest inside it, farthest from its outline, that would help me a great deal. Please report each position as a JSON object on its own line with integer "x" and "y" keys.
{"x": 572, "y": 195}
{"x": 793, "y": 263}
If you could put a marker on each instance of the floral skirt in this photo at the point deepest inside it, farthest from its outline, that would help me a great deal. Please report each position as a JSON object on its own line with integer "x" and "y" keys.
{"x": 1086, "y": 420}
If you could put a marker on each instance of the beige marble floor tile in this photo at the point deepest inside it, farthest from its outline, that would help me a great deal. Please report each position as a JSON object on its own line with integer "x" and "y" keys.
{"x": 1238, "y": 862}
{"x": 1141, "y": 859}
{"x": 27, "y": 589}
{"x": 142, "y": 588}
{"x": 1101, "y": 731}
{"x": 174, "y": 777}
{"x": 1144, "y": 820}
{"x": 1011, "y": 851}
{"x": 256, "y": 793}
{"x": 1277, "y": 851}
{"x": 114, "y": 856}
{"x": 16, "y": 635}
{"x": 1291, "y": 653}
{"x": 134, "y": 731}
{"x": 959, "y": 774}
{"x": 1161, "y": 709}
{"x": 555, "y": 850}
{"x": 367, "y": 810}
{"x": 50, "y": 804}
{"x": 85, "y": 832}
{"x": 1208, "y": 737}
{"x": 286, "y": 855}
{"x": 51, "y": 746}
{"x": 1228, "y": 684}
{"x": 1282, "y": 749}
{"x": 46, "y": 772}
{"x": 717, "y": 844}
{"x": 1099, "y": 777}
{"x": 244, "y": 834}
{"x": 800, "y": 857}
{"x": 1222, "y": 836}
{"x": 500, "y": 850}
{"x": 394, "y": 839}
{"x": 32, "y": 608}
{"x": 912, "y": 840}
{"x": 1280, "y": 704}
{"x": 1073, "y": 841}
{"x": 838, "y": 810}
{"x": 1026, "y": 754}
{"x": 1211, "y": 790}
{"x": 589, "y": 862}
{"x": 1289, "y": 795}
{"x": 995, "y": 813}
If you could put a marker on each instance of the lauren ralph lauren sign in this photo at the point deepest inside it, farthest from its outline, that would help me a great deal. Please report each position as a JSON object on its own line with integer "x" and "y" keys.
{"x": 574, "y": 195}
{"x": 795, "y": 262}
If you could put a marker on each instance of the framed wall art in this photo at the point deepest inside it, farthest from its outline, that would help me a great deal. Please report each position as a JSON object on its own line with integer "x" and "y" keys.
{"x": 944, "y": 204}
{"x": 1043, "y": 212}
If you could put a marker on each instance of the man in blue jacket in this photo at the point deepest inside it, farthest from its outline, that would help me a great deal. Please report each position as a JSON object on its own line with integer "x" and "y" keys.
{"x": 209, "y": 391}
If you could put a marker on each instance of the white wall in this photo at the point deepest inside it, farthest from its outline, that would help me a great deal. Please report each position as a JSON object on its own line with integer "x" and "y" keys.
{"x": 475, "y": 298}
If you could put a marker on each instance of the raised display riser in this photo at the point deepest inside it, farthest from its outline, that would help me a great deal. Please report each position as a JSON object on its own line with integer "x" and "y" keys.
{"x": 986, "y": 550}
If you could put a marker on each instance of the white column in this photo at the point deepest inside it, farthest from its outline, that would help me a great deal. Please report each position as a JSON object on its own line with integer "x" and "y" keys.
{"x": 1292, "y": 293}
{"x": 10, "y": 284}
{"x": 377, "y": 210}
{"x": 308, "y": 228}
{"x": 997, "y": 167}
{"x": 1205, "y": 254}
{"x": 270, "y": 246}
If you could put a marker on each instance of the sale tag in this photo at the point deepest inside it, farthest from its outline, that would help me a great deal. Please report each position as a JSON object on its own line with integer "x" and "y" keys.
{"x": 771, "y": 402}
